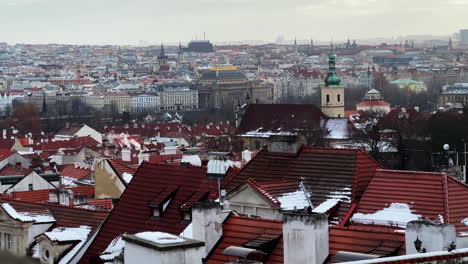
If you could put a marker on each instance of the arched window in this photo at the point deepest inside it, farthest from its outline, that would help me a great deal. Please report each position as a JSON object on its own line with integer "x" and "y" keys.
{"x": 328, "y": 98}
{"x": 338, "y": 97}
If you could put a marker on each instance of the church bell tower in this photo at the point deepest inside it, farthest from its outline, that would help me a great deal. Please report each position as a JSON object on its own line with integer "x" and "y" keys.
{"x": 332, "y": 93}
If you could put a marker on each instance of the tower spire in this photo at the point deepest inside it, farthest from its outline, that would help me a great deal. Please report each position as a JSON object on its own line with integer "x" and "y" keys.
{"x": 332, "y": 79}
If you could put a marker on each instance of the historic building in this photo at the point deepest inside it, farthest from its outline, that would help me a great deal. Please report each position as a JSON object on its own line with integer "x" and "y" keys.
{"x": 373, "y": 102}
{"x": 220, "y": 88}
{"x": 333, "y": 92}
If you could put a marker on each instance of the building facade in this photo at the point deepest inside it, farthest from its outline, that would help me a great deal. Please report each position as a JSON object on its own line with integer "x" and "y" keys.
{"x": 145, "y": 102}
{"x": 226, "y": 88}
{"x": 177, "y": 96}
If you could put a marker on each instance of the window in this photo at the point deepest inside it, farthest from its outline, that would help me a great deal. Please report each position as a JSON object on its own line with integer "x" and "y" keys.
{"x": 328, "y": 98}
{"x": 30, "y": 187}
{"x": 187, "y": 216}
{"x": 338, "y": 97}
{"x": 46, "y": 254}
{"x": 8, "y": 242}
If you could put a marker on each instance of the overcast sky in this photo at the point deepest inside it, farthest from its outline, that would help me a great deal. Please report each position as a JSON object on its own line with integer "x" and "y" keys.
{"x": 130, "y": 21}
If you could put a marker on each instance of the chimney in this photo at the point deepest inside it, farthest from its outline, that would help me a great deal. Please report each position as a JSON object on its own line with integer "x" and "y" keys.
{"x": 284, "y": 144}
{"x": 246, "y": 156}
{"x": 161, "y": 248}
{"x": 305, "y": 238}
{"x": 207, "y": 224}
{"x": 422, "y": 236}
{"x": 126, "y": 155}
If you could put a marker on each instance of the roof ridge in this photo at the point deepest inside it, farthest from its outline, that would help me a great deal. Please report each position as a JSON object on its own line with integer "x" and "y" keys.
{"x": 53, "y": 205}
{"x": 409, "y": 171}
{"x": 262, "y": 191}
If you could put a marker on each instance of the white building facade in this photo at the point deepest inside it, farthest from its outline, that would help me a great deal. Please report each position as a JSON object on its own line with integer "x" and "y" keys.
{"x": 145, "y": 102}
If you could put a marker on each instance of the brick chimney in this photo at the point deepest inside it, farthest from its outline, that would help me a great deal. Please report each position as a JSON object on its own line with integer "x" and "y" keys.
{"x": 305, "y": 238}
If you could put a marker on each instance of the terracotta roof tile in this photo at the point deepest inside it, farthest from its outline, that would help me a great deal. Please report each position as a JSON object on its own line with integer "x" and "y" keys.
{"x": 327, "y": 173}
{"x": 238, "y": 230}
{"x": 132, "y": 214}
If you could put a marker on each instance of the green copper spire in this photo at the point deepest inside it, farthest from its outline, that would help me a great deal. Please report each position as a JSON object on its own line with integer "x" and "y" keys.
{"x": 332, "y": 79}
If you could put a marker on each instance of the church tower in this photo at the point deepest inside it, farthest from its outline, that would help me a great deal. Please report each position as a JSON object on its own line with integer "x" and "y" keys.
{"x": 180, "y": 53}
{"x": 332, "y": 92}
{"x": 162, "y": 58}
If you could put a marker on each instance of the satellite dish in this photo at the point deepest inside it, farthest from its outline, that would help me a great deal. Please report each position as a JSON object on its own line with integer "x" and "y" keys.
{"x": 226, "y": 204}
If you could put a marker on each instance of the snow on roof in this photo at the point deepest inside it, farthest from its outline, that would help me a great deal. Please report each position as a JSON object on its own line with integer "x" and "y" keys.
{"x": 294, "y": 200}
{"x": 41, "y": 217}
{"x": 188, "y": 232}
{"x": 326, "y": 206}
{"x": 114, "y": 249}
{"x": 160, "y": 237}
{"x": 69, "y": 234}
{"x": 464, "y": 221}
{"x": 14, "y": 214}
{"x": 63, "y": 234}
{"x": 127, "y": 177}
{"x": 257, "y": 133}
{"x": 397, "y": 214}
{"x": 192, "y": 159}
{"x": 338, "y": 128}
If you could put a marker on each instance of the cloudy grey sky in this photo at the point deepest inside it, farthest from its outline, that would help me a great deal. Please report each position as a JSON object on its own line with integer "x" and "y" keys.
{"x": 129, "y": 21}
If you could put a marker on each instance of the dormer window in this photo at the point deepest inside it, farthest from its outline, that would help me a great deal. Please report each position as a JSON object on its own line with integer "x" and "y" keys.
{"x": 161, "y": 202}
{"x": 156, "y": 212}
{"x": 187, "y": 216}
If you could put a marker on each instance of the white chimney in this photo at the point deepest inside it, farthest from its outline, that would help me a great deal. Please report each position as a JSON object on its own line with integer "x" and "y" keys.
{"x": 305, "y": 238}
{"x": 423, "y": 236}
{"x": 163, "y": 248}
{"x": 126, "y": 155}
{"x": 206, "y": 224}
{"x": 246, "y": 155}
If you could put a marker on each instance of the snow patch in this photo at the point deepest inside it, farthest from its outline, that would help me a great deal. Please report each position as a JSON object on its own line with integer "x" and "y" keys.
{"x": 127, "y": 177}
{"x": 192, "y": 159}
{"x": 160, "y": 237}
{"x": 326, "y": 206}
{"x": 188, "y": 232}
{"x": 114, "y": 249}
{"x": 293, "y": 200}
{"x": 14, "y": 214}
{"x": 465, "y": 221}
{"x": 65, "y": 234}
{"x": 397, "y": 214}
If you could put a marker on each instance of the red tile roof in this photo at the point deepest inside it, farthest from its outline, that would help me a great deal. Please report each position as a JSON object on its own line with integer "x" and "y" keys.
{"x": 76, "y": 173}
{"x": 238, "y": 230}
{"x": 73, "y": 143}
{"x": 132, "y": 213}
{"x": 13, "y": 170}
{"x": 6, "y": 143}
{"x": 121, "y": 168}
{"x": 102, "y": 203}
{"x": 373, "y": 103}
{"x": 327, "y": 173}
{"x": 427, "y": 194}
{"x": 5, "y": 153}
{"x": 280, "y": 117}
{"x": 366, "y": 240}
{"x": 65, "y": 216}
{"x": 41, "y": 196}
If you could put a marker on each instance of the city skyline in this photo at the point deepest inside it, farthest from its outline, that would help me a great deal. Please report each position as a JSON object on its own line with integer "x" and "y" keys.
{"x": 106, "y": 22}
